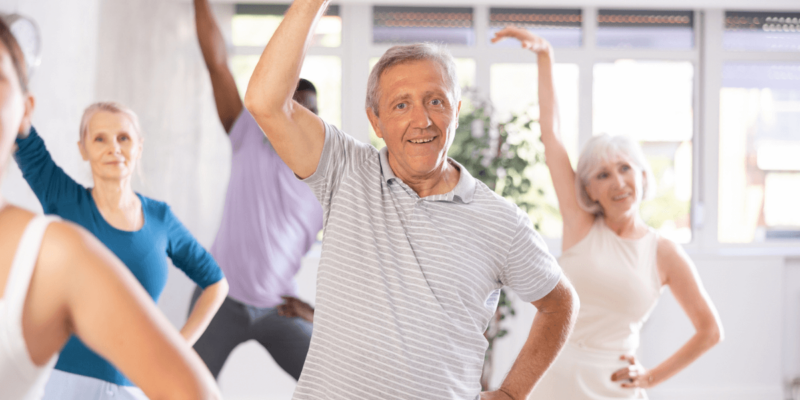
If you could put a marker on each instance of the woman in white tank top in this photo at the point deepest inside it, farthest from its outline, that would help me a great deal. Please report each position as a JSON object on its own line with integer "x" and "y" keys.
{"x": 57, "y": 280}
{"x": 617, "y": 264}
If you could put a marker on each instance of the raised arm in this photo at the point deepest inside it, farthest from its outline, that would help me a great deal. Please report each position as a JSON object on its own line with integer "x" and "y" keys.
{"x": 110, "y": 311}
{"x": 295, "y": 132}
{"x": 47, "y": 180}
{"x": 226, "y": 96}
{"x": 555, "y": 316}
{"x": 678, "y": 271}
{"x": 577, "y": 221}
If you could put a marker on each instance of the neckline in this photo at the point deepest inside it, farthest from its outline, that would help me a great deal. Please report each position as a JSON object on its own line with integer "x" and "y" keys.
{"x": 631, "y": 240}
{"x": 108, "y": 225}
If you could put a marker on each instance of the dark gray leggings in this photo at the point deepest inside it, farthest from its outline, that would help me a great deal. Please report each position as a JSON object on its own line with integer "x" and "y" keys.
{"x": 286, "y": 339}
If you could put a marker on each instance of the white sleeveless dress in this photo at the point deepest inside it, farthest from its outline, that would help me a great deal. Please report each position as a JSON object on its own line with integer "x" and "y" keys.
{"x": 20, "y": 378}
{"x": 618, "y": 284}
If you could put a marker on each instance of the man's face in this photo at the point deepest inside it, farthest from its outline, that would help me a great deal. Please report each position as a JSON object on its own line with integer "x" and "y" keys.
{"x": 417, "y": 117}
{"x": 307, "y": 99}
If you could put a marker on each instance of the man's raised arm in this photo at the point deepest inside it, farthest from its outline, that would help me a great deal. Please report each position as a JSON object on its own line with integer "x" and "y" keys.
{"x": 226, "y": 96}
{"x": 295, "y": 132}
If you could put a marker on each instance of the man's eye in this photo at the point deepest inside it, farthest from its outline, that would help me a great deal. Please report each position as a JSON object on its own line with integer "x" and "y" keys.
{"x": 401, "y": 106}
{"x": 436, "y": 102}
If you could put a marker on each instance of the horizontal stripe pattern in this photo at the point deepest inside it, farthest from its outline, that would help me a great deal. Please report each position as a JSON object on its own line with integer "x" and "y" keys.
{"x": 406, "y": 286}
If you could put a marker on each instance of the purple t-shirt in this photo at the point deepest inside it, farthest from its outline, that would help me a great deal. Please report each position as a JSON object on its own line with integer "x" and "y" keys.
{"x": 270, "y": 220}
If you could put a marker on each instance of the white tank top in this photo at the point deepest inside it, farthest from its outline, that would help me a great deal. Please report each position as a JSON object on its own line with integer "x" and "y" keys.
{"x": 20, "y": 378}
{"x": 618, "y": 285}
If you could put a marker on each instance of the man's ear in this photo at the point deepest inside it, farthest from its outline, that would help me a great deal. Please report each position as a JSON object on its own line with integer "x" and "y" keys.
{"x": 373, "y": 120}
{"x": 458, "y": 112}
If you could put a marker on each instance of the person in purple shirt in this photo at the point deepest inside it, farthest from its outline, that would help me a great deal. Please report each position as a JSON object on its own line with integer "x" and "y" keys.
{"x": 269, "y": 222}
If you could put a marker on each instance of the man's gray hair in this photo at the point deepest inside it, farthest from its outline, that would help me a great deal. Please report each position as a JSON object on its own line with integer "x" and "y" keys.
{"x": 599, "y": 149}
{"x": 407, "y": 53}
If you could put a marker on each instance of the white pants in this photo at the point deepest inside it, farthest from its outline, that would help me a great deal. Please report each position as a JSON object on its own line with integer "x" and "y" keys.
{"x": 583, "y": 374}
{"x": 66, "y": 386}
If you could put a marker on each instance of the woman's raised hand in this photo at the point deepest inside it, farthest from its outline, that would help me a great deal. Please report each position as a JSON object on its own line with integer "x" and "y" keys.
{"x": 528, "y": 40}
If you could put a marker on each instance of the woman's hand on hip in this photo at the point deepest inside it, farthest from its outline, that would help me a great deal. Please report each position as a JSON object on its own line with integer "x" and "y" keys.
{"x": 634, "y": 375}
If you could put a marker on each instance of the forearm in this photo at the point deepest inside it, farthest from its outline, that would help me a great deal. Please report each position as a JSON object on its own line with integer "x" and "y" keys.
{"x": 548, "y": 334}
{"x": 212, "y": 45}
{"x": 687, "y": 354}
{"x": 548, "y": 104}
{"x": 274, "y": 79}
{"x": 204, "y": 310}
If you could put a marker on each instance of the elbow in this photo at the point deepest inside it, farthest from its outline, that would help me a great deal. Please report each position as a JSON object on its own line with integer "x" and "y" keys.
{"x": 223, "y": 288}
{"x": 263, "y": 108}
{"x": 713, "y": 335}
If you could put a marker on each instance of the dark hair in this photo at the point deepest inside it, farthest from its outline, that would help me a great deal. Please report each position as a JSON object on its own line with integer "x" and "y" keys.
{"x": 303, "y": 84}
{"x": 17, "y": 57}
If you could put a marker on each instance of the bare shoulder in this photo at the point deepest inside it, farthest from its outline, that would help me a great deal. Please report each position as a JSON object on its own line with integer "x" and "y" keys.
{"x": 70, "y": 249}
{"x": 671, "y": 260}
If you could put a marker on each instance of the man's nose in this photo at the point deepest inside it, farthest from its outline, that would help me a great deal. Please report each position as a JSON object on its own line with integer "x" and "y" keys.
{"x": 420, "y": 117}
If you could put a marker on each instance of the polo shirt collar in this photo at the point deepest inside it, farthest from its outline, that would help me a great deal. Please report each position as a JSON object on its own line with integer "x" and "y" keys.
{"x": 464, "y": 190}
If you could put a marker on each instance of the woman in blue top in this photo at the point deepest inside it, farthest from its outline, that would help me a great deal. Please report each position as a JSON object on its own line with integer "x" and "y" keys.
{"x": 138, "y": 230}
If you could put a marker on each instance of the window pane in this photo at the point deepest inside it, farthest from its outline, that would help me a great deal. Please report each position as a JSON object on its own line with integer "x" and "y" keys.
{"x": 254, "y": 25}
{"x": 759, "y": 143}
{"x": 645, "y": 29}
{"x": 651, "y": 102}
{"x": 771, "y": 31}
{"x": 561, "y": 27}
{"x": 514, "y": 91}
{"x": 451, "y": 25}
{"x": 325, "y": 72}
{"x": 465, "y": 68}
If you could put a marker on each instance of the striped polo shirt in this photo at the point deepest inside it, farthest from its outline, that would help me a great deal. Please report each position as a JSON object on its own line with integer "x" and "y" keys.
{"x": 406, "y": 286}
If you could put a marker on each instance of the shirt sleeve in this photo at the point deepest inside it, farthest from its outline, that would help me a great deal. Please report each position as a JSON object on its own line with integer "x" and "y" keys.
{"x": 340, "y": 154}
{"x": 245, "y": 132}
{"x": 530, "y": 271}
{"x": 188, "y": 255}
{"x": 47, "y": 180}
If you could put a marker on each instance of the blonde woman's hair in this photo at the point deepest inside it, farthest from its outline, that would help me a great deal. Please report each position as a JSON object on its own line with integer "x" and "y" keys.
{"x": 598, "y": 150}
{"x": 108, "y": 106}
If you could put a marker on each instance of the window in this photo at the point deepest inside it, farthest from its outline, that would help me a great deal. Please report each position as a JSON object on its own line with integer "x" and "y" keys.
{"x": 514, "y": 90}
{"x": 397, "y": 25}
{"x": 651, "y": 102}
{"x": 254, "y": 25}
{"x": 759, "y": 143}
{"x": 653, "y": 29}
{"x": 770, "y": 31}
{"x": 560, "y": 27}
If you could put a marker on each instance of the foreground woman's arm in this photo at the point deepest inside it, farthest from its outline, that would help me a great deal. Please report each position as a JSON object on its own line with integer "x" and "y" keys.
{"x": 109, "y": 310}
{"x": 678, "y": 271}
{"x": 577, "y": 221}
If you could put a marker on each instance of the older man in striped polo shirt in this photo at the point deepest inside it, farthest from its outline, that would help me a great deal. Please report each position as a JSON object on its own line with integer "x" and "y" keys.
{"x": 415, "y": 249}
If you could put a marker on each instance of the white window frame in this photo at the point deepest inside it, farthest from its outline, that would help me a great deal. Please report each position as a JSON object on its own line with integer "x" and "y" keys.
{"x": 707, "y": 56}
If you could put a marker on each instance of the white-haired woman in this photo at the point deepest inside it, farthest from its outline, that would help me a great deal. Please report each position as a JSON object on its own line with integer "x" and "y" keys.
{"x": 617, "y": 263}
{"x": 56, "y": 280}
{"x": 141, "y": 231}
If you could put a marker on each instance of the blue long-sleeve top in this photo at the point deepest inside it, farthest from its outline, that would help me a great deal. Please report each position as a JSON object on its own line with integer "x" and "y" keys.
{"x": 144, "y": 252}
